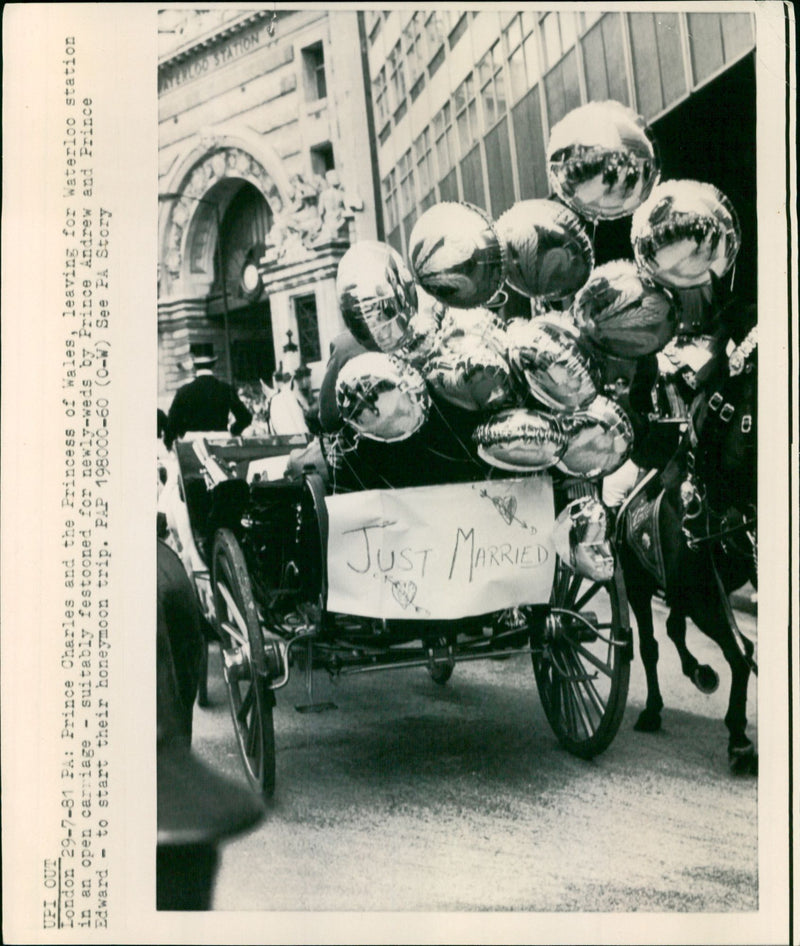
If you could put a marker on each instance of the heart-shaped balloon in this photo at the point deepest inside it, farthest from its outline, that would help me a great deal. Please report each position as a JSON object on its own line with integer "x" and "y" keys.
{"x": 549, "y": 253}
{"x": 382, "y": 397}
{"x": 423, "y": 330}
{"x": 455, "y": 255}
{"x": 582, "y": 541}
{"x": 685, "y": 232}
{"x": 377, "y": 295}
{"x": 520, "y": 440}
{"x": 599, "y": 439}
{"x": 602, "y": 160}
{"x": 547, "y": 358}
{"x": 469, "y": 367}
{"x": 624, "y": 314}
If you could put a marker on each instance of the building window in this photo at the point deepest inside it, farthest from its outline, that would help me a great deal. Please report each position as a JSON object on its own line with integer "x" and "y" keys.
{"x": 523, "y": 55}
{"x": 322, "y": 159}
{"x": 390, "y": 200}
{"x": 405, "y": 170}
{"x": 493, "y": 94}
{"x": 445, "y": 144}
{"x": 415, "y": 47}
{"x": 314, "y": 69}
{"x": 305, "y": 311}
{"x": 589, "y": 18}
{"x": 373, "y": 23}
{"x": 381, "y": 97}
{"x": 466, "y": 114}
{"x": 558, "y": 36}
{"x": 424, "y": 154}
{"x": 397, "y": 77}
{"x": 437, "y": 26}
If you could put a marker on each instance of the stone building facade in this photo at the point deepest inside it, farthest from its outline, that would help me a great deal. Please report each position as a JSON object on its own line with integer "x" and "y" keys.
{"x": 264, "y": 181}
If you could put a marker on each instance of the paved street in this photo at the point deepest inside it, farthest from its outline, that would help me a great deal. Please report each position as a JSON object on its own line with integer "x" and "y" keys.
{"x": 412, "y": 797}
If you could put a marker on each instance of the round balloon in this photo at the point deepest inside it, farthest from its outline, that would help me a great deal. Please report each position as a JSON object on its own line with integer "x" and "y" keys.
{"x": 602, "y": 160}
{"x": 599, "y": 439}
{"x": 520, "y": 440}
{"x": 455, "y": 255}
{"x": 624, "y": 314}
{"x": 549, "y": 253}
{"x": 377, "y": 295}
{"x": 685, "y": 232}
{"x": 582, "y": 541}
{"x": 382, "y": 397}
{"x": 547, "y": 357}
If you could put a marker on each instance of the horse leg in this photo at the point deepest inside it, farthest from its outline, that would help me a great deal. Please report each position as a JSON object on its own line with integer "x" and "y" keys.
{"x": 710, "y": 616}
{"x": 705, "y": 678}
{"x": 640, "y": 589}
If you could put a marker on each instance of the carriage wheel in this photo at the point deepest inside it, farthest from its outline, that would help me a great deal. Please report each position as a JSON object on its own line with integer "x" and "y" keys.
{"x": 581, "y": 661}
{"x": 244, "y": 662}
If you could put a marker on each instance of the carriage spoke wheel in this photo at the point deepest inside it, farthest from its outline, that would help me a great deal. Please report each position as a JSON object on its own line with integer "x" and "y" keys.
{"x": 244, "y": 662}
{"x": 581, "y": 661}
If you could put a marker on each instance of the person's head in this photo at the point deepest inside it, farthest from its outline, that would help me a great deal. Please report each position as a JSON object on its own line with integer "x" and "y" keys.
{"x": 204, "y": 362}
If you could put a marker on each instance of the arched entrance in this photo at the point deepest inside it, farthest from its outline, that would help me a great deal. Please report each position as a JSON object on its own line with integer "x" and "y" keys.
{"x": 213, "y": 228}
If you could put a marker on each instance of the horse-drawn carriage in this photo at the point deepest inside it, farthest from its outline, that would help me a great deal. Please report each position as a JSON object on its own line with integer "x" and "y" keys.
{"x": 285, "y": 592}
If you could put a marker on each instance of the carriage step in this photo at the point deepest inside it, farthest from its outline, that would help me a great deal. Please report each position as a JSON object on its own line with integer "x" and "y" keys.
{"x": 316, "y": 707}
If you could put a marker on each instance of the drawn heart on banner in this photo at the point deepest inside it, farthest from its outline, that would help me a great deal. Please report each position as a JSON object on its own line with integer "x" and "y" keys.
{"x": 404, "y": 592}
{"x": 507, "y": 507}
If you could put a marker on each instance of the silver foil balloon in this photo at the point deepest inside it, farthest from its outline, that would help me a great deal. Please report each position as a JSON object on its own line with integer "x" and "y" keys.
{"x": 455, "y": 255}
{"x": 423, "y": 330}
{"x": 685, "y": 232}
{"x": 581, "y": 538}
{"x": 382, "y": 397}
{"x": 520, "y": 440}
{"x": 476, "y": 377}
{"x": 549, "y": 252}
{"x": 377, "y": 295}
{"x": 468, "y": 367}
{"x": 624, "y": 314}
{"x": 460, "y": 327}
{"x": 547, "y": 358}
{"x": 599, "y": 439}
{"x": 602, "y": 160}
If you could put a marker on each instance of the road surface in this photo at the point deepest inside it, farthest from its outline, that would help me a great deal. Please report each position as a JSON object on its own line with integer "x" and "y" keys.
{"x": 415, "y": 797}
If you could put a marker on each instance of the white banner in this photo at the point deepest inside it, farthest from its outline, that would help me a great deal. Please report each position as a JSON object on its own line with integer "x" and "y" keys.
{"x": 441, "y": 551}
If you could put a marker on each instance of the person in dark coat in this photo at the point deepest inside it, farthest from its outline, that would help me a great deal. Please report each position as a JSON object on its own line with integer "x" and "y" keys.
{"x": 205, "y": 404}
{"x": 198, "y": 808}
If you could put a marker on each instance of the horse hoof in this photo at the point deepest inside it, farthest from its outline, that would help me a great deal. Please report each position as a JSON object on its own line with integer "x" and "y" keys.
{"x": 706, "y": 679}
{"x": 743, "y": 760}
{"x": 648, "y": 721}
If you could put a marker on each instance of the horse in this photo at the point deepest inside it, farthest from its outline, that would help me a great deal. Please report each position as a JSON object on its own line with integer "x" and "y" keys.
{"x": 690, "y": 531}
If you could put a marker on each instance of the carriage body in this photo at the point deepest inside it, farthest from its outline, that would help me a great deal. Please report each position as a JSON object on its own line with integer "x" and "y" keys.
{"x": 258, "y": 548}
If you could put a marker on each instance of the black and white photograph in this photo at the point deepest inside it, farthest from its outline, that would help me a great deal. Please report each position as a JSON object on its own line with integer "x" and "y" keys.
{"x": 449, "y": 318}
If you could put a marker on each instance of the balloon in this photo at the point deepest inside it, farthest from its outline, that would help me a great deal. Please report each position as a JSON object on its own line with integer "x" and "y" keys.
{"x": 685, "y": 232}
{"x": 377, "y": 295}
{"x": 549, "y": 253}
{"x": 423, "y": 330}
{"x": 382, "y": 397}
{"x": 602, "y": 160}
{"x": 623, "y": 314}
{"x": 460, "y": 327}
{"x": 456, "y": 256}
{"x": 476, "y": 377}
{"x": 555, "y": 370}
{"x": 599, "y": 439}
{"x": 521, "y": 440}
{"x": 581, "y": 539}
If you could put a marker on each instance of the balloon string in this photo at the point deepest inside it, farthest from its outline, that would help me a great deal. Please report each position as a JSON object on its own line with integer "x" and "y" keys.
{"x": 458, "y": 440}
